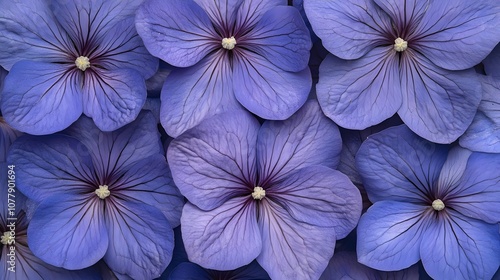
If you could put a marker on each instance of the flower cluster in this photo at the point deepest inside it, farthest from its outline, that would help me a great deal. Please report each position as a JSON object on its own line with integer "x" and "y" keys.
{"x": 249, "y": 139}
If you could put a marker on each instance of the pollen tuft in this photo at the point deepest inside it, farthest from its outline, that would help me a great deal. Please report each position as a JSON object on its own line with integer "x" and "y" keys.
{"x": 258, "y": 193}
{"x": 82, "y": 62}
{"x": 102, "y": 192}
{"x": 7, "y": 238}
{"x": 400, "y": 45}
{"x": 438, "y": 205}
{"x": 229, "y": 43}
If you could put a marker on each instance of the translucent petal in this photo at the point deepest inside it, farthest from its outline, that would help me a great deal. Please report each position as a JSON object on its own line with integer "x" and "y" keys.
{"x": 140, "y": 239}
{"x": 360, "y": 93}
{"x": 215, "y": 161}
{"x": 113, "y": 98}
{"x": 30, "y": 31}
{"x": 307, "y": 138}
{"x": 193, "y": 94}
{"x": 457, "y": 247}
{"x": 390, "y": 234}
{"x": 68, "y": 230}
{"x": 319, "y": 196}
{"x": 41, "y": 98}
{"x": 438, "y": 104}
{"x": 266, "y": 90}
{"x": 292, "y": 249}
{"x": 51, "y": 165}
{"x": 457, "y": 35}
{"x": 396, "y": 164}
{"x": 281, "y": 37}
{"x": 348, "y": 29}
{"x": 224, "y": 238}
{"x": 178, "y": 31}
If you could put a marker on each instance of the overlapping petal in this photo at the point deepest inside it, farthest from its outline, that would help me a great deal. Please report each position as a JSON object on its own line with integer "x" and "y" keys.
{"x": 69, "y": 231}
{"x": 456, "y": 247}
{"x": 405, "y": 14}
{"x": 224, "y": 238}
{"x": 397, "y": 165}
{"x": 148, "y": 181}
{"x": 37, "y": 94}
{"x": 216, "y": 160}
{"x": 457, "y": 35}
{"x": 477, "y": 195}
{"x": 221, "y": 12}
{"x": 266, "y": 90}
{"x": 29, "y": 31}
{"x": 50, "y": 165}
{"x": 348, "y": 29}
{"x": 360, "y": 93}
{"x": 178, "y": 31}
{"x": 141, "y": 240}
{"x": 483, "y": 135}
{"x": 319, "y": 196}
{"x": 113, "y": 98}
{"x": 196, "y": 93}
{"x": 306, "y": 138}
{"x": 7, "y": 137}
{"x": 250, "y": 12}
{"x": 292, "y": 249}
{"x": 390, "y": 234}
{"x": 281, "y": 37}
{"x": 438, "y": 104}
{"x": 452, "y": 172}
{"x": 492, "y": 62}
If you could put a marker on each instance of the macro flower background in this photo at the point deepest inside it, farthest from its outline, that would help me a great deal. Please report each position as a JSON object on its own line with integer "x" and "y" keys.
{"x": 249, "y": 139}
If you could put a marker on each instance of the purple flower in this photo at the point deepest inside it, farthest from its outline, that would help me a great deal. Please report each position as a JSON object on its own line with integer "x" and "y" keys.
{"x": 248, "y": 52}
{"x": 432, "y": 203}
{"x": 408, "y": 57}
{"x": 3, "y": 73}
{"x": 102, "y": 195}
{"x": 267, "y": 192}
{"x": 69, "y": 57}
{"x": 483, "y": 135}
{"x": 492, "y": 63}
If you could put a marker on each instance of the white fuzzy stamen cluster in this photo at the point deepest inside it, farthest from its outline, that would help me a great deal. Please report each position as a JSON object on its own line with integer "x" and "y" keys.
{"x": 258, "y": 193}
{"x": 400, "y": 45}
{"x": 82, "y": 62}
{"x": 229, "y": 43}
{"x": 438, "y": 205}
{"x": 102, "y": 192}
{"x": 7, "y": 238}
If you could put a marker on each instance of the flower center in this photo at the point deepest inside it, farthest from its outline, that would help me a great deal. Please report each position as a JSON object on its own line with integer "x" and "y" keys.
{"x": 438, "y": 205}
{"x": 82, "y": 62}
{"x": 102, "y": 192}
{"x": 258, "y": 193}
{"x": 400, "y": 45}
{"x": 229, "y": 43}
{"x": 7, "y": 239}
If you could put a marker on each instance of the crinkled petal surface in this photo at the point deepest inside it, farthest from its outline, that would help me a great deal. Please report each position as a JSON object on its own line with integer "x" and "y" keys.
{"x": 41, "y": 98}
{"x": 458, "y": 34}
{"x": 30, "y": 31}
{"x": 113, "y": 98}
{"x": 389, "y": 234}
{"x": 319, "y": 196}
{"x": 396, "y": 164}
{"x": 292, "y": 249}
{"x": 483, "y": 135}
{"x": 68, "y": 230}
{"x": 438, "y": 104}
{"x": 306, "y": 138}
{"x": 224, "y": 238}
{"x": 178, "y": 31}
{"x": 266, "y": 90}
{"x": 50, "y": 165}
{"x": 148, "y": 181}
{"x": 456, "y": 247}
{"x": 141, "y": 240}
{"x": 348, "y": 29}
{"x": 193, "y": 94}
{"x": 215, "y": 161}
{"x": 477, "y": 195}
{"x": 113, "y": 151}
{"x": 360, "y": 93}
{"x": 281, "y": 37}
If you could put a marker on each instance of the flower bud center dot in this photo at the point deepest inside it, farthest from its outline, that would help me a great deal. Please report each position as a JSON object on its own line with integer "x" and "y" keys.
{"x": 82, "y": 62}
{"x": 7, "y": 239}
{"x": 438, "y": 205}
{"x": 229, "y": 43}
{"x": 102, "y": 192}
{"x": 258, "y": 193}
{"x": 400, "y": 45}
